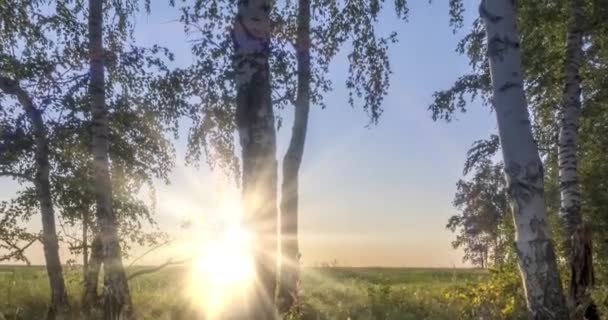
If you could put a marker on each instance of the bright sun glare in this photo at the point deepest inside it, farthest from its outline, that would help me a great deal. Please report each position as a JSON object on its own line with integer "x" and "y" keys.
{"x": 227, "y": 260}
{"x": 224, "y": 269}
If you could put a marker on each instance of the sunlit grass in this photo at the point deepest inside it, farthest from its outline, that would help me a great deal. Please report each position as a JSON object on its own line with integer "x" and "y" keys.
{"x": 327, "y": 293}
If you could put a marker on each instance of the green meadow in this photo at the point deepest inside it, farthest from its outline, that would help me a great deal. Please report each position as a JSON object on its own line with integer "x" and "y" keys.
{"x": 326, "y": 293}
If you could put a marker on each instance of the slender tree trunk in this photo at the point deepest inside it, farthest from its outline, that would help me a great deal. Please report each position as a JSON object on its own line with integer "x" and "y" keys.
{"x": 256, "y": 124}
{"x": 85, "y": 243}
{"x": 485, "y": 258}
{"x": 580, "y": 256}
{"x": 59, "y": 299}
{"x": 523, "y": 167}
{"x": 116, "y": 297}
{"x": 91, "y": 276}
{"x": 290, "y": 252}
{"x": 498, "y": 252}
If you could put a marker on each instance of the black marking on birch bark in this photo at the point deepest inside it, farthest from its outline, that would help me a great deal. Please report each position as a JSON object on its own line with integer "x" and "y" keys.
{"x": 497, "y": 45}
{"x": 536, "y": 225}
{"x": 571, "y": 218}
{"x": 524, "y": 181}
{"x": 248, "y": 33}
{"x": 265, "y": 7}
{"x": 485, "y": 14}
{"x": 509, "y": 85}
{"x": 565, "y": 184}
{"x": 542, "y": 251}
{"x": 524, "y": 259}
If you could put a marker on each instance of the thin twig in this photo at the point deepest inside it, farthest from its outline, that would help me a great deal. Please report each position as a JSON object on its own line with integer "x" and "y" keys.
{"x": 169, "y": 262}
{"x": 18, "y": 252}
{"x": 149, "y": 251}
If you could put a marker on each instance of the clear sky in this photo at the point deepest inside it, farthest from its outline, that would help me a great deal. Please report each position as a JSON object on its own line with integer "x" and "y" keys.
{"x": 376, "y": 196}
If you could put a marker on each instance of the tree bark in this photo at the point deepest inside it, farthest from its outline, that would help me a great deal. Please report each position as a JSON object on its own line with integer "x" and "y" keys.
{"x": 85, "y": 243}
{"x": 290, "y": 252}
{"x": 579, "y": 247}
{"x": 523, "y": 167}
{"x": 256, "y": 125}
{"x": 116, "y": 297}
{"x": 59, "y": 299}
{"x": 91, "y": 276}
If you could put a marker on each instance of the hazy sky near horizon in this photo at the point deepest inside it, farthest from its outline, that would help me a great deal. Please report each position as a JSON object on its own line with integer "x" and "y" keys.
{"x": 369, "y": 196}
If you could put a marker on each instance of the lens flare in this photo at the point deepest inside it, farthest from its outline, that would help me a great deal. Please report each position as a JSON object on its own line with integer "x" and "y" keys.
{"x": 223, "y": 273}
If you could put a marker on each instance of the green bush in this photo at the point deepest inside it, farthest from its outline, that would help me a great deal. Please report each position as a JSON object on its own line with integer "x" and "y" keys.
{"x": 499, "y": 297}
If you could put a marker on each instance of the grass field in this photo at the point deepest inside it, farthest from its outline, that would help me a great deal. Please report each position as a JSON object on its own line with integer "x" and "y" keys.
{"x": 328, "y": 293}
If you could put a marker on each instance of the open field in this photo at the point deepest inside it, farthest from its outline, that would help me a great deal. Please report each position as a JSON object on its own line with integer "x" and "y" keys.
{"x": 328, "y": 293}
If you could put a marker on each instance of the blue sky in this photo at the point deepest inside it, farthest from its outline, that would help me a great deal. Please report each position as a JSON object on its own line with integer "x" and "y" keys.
{"x": 369, "y": 196}
{"x": 379, "y": 195}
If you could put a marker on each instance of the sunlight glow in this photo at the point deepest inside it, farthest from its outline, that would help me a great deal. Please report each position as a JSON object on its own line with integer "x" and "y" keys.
{"x": 227, "y": 261}
{"x": 224, "y": 270}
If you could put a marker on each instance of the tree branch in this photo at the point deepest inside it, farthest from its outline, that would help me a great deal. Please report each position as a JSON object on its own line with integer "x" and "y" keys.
{"x": 16, "y": 175}
{"x": 18, "y": 253}
{"x": 169, "y": 262}
{"x": 282, "y": 98}
{"x": 12, "y": 87}
{"x": 150, "y": 250}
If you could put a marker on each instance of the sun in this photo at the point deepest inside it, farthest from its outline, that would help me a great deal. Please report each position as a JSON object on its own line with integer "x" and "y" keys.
{"x": 223, "y": 272}
{"x": 227, "y": 261}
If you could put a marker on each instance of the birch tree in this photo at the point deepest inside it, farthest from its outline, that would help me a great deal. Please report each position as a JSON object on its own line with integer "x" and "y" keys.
{"x": 257, "y": 136}
{"x": 545, "y": 29}
{"x": 290, "y": 251}
{"x": 26, "y": 59}
{"x": 523, "y": 166}
{"x": 117, "y": 299}
{"x": 335, "y": 24}
{"x": 580, "y": 254}
{"x": 59, "y": 300}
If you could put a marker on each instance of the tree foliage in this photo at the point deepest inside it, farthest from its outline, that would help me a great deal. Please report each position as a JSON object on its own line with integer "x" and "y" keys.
{"x": 485, "y": 229}
{"x": 335, "y": 25}
{"x": 543, "y": 26}
{"x": 145, "y": 100}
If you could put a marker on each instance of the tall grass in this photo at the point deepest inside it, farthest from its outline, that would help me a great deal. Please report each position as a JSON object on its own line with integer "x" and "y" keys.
{"x": 327, "y": 293}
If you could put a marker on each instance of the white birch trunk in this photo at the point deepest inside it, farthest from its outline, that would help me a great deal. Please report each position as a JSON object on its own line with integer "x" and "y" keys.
{"x": 117, "y": 300}
{"x": 568, "y": 126}
{"x": 581, "y": 262}
{"x": 59, "y": 300}
{"x": 523, "y": 167}
{"x": 290, "y": 251}
{"x": 256, "y": 125}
